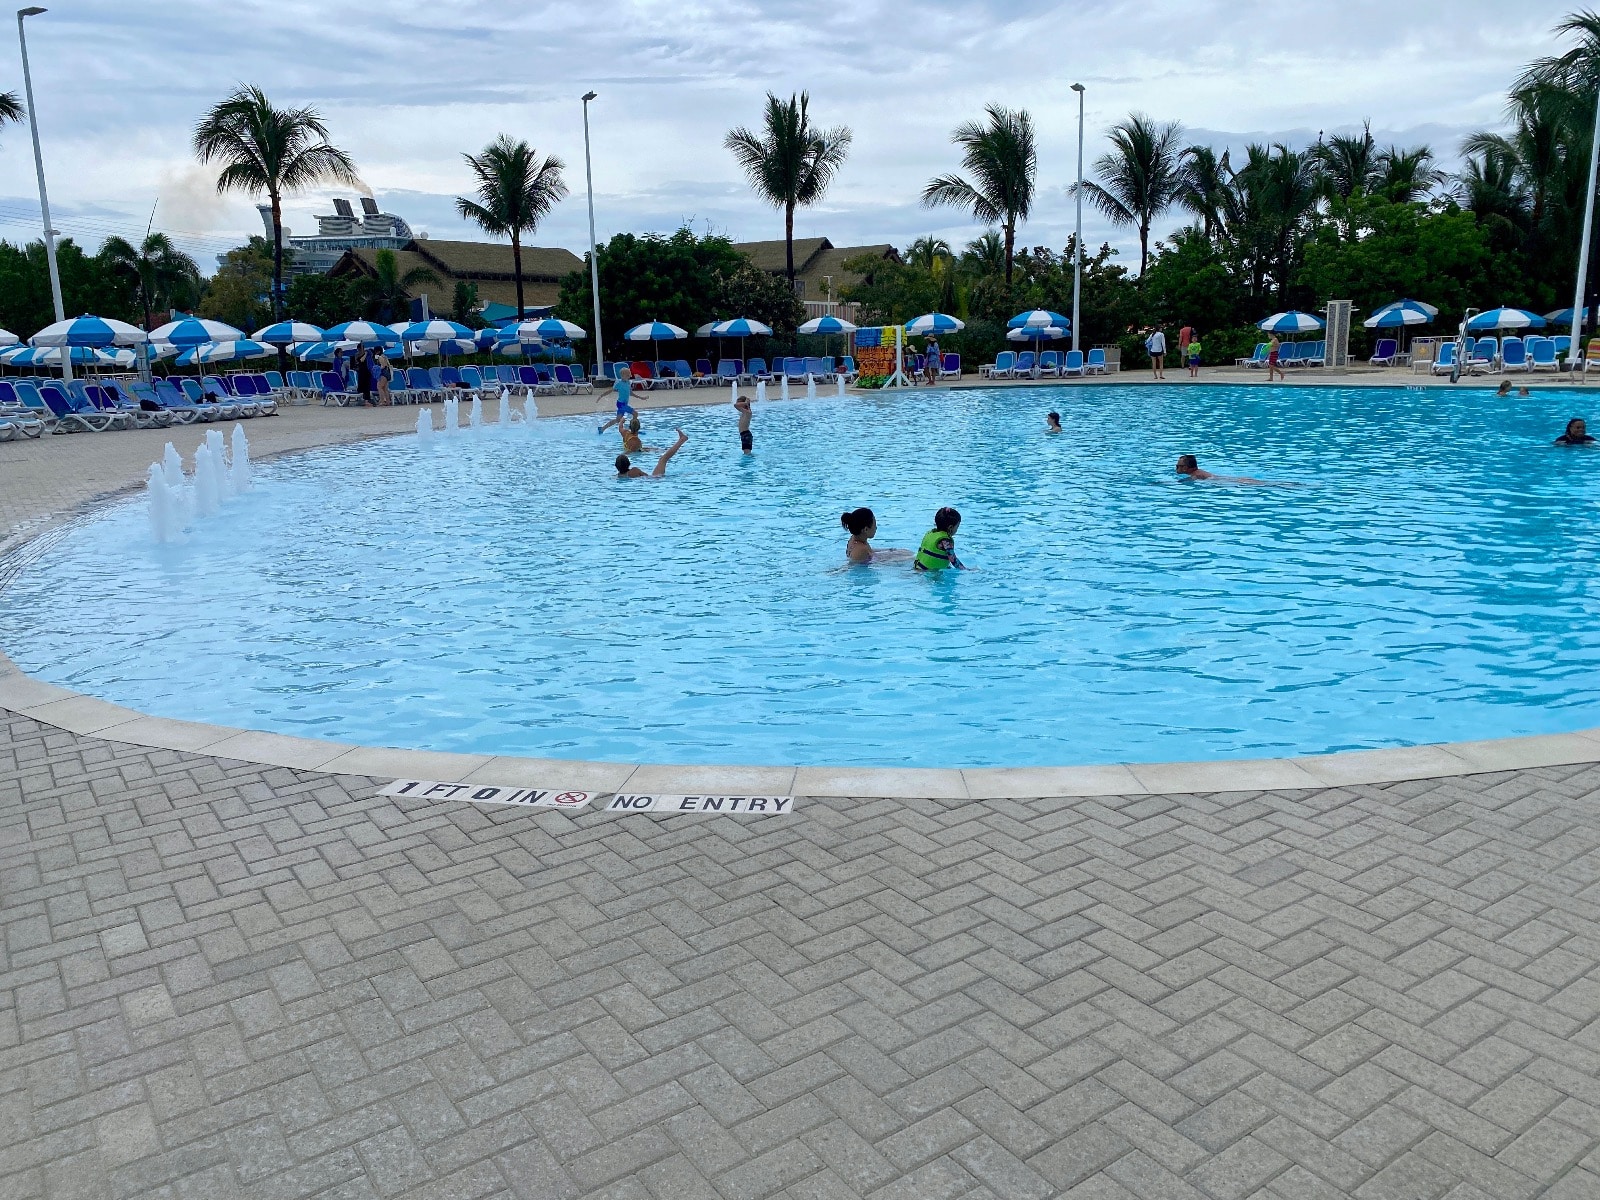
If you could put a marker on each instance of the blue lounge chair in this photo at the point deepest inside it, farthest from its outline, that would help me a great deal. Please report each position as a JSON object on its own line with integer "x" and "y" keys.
{"x": 795, "y": 369}
{"x": 1513, "y": 355}
{"x": 151, "y": 416}
{"x": 1385, "y": 353}
{"x": 756, "y": 371}
{"x": 1542, "y": 354}
{"x": 820, "y": 369}
{"x": 1446, "y": 362}
{"x": 949, "y": 366}
{"x": 67, "y": 419}
{"x": 20, "y": 416}
{"x": 1484, "y": 353}
{"x": 729, "y": 370}
{"x": 1563, "y": 343}
{"x": 847, "y": 367}
{"x": 569, "y": 382}
{"x": 217, "y": 391}
{"x": 1074, "y": 363}
{"x": 1002, "y": 366}
{"x": 148, "y": 395}
{"x": 1050, "y": 362}
{"x": 335, "y": 389}
{"x": 1096, "y": 364}
{"x": 1026, "y": 365}
{"x": 1314, "y": 355}
{"x": 704, "y": 368}
{"x": 1256, "y": 360}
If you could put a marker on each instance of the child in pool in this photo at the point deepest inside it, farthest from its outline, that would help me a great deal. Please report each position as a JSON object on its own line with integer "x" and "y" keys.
{"x": 938, "y": 549}
{"x": 624, "y": 392}
{"x": 1052, "y": 422}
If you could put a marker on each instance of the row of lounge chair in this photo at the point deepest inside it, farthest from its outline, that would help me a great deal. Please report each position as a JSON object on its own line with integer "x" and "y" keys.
{"x": 1010, "y": 364}
{"x": 427, "y": 385}
{"x": 1290, "y": 354}
{"x": 1482, "y": 355}
{"x": 677, "y": 373}
{"x": 29, "y": 407}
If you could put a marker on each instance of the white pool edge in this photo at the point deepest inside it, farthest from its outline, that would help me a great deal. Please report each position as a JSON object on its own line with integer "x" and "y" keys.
{"x": 26, "y": 696}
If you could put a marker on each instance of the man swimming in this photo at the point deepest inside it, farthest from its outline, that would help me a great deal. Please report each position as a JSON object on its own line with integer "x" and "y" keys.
{"x": 626, "y": 469}
{"x": 1190, "y": 466}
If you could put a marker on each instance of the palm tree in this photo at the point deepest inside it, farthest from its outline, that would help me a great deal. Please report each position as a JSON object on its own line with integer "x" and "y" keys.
{"x": 11, "y": 108}
{"x": 386, "y": 292}
{"x": 790, "y": 163}
{"x": 1143, "y": 176}
{"x": 1347, "y": 164}
{"x": 1205, "y": 187}
{"x": 1406, "y": 176}
{"x": 515, "y": 192}
{"x": 271, "y": 150}
{"x": 164, "y": 276}
{"x": 931, "y": 254}
{"x": 1002, "y": 159}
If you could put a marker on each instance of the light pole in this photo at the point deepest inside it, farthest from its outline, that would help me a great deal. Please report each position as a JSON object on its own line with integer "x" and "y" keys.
{"x": 44, "y": 199}
{"x": 594, "y": 250}
{"x": 1583, "y": 248}
{"x": 1077, "y": 240}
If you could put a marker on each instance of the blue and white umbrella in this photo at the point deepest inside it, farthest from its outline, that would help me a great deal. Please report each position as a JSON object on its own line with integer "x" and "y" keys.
{"x": 195, "y": 331}
{"x": 740, "y": 327}
{"x": 1507, "y": 318}
{"x": 7, "y": 338}
{"x": 1561, "y": 317}
{"x": 319, "y": 351}
{"x": 655, "y": 331}
{"x": 90, "y": 331}
{"x": 50, "y": 356}
{"x": 934, "y": 323}
{"x": 287, "y": 333}
{"x": 1036, "y": 333}
{"x": 365, "y": 333}
{"x": 224, "y": 352}
{"x": 1039, "y": 318}
{"x": 827, "y": 325}
{"x": 1292, "y": 321}
{"x": 547, "y": 329}
{"x": 435, "y": 330}
{"x": 1401, "y": 313}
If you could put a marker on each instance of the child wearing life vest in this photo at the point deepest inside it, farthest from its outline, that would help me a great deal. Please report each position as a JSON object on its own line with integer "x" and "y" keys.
{"x": 938, "y": 549}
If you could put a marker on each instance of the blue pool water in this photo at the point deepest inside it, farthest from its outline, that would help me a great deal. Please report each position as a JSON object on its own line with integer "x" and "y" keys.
{"x": 1432, "y": 578}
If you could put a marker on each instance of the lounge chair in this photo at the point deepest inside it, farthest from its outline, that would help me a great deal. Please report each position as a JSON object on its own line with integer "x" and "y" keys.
{"x": 1563, "y": 343}
{"x": 1485, "y": 351}
{"x": 1446, "y": 362}
{"x": 529, "y": 377}
{"x": 569, "y": 382}
{"x": 1385, "y": 353}
{"x": 730, "y": 370}
{"x": 847, "y": 368}
{"x": 1027, "y": 365}
{"x": 172, "y": 401}
{"x": 243, "y": 406}
{"x": 1096, "y": 363}
{"x": 153, "y": 417}
{"x": 67, "y": 419}
{"x": 1002, "y": 366}
{"x": 704, "y": 369}
{"x": 820, "y": 369}
{"x": 21, "y": 417}
{"x": 266, "y": 399}
{"x": 1542, "y": 354}
{"x": 1314, "y": 355}
{"x": 1591, "y": 355}
{"x": 1049, "y": 363}
{"x": 949, "y": 366}
{"x": 300, "y": 388}
{"x": 173, "y": 398}
{"x": 335, "y": 389}
{"x": 756, "y": 371}
{"x": 795, "y": 368}
{"x": 1074, "y": 363}
{"x": 1258, "y": 359}
{"x": 1513, "y": 355}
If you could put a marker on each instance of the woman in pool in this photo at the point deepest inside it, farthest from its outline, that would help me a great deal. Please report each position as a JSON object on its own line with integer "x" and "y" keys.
{"x": 938, "y": 549}
{"x": 1052, "y": 422}
{"x": 863, "y": 527}
{"x": 1576, "y": 434}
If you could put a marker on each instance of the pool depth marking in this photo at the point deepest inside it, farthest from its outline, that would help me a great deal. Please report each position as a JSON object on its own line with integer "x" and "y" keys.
{"x": 626, "y": 802}
{"x": 475, "y": 793}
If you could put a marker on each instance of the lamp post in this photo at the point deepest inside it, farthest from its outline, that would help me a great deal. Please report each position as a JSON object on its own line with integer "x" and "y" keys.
{"x": 594, "y": 250}
{"x": 1583, "y": 248}
{"x": 44, "y": 199}
{"x": 1077, "y": 240}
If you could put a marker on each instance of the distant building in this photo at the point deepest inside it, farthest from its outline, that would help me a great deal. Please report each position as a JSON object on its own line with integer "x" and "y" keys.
{"x": 340, "y": 232}
{"x": 488, "y": 265}
{"x": 819, "y": 273}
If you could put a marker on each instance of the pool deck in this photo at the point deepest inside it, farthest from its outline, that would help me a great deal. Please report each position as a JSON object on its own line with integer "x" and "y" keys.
{"x": 231, "y": 969}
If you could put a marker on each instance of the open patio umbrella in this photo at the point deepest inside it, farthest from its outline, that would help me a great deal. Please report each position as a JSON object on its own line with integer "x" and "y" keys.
{"x": 1400, "y": 314}
{"x": 1561, "y": 317}
{"x": 1036, "y": 333}
{"x": 7, "y": 338}
{"x": 1507, "y": 318}
{"x": 319, "y": 351}
{"x": 741, "y": 328}
{"x": 50, "y": 356}
{"x": 435, "y": 330}
{"x": 934, "y": 323}
{"x": 657, "y": 332}
{"x": 90, "y": 331}
{"x": 1292, "y": 321}
{"x": 195, "y": 331}
{"x": 287, "y": 333}
{"x": 1039, "y": 318}
{"x": 365, "y": 333}
{"x": 224, "y": 352}
{"x": 827, "y": 326}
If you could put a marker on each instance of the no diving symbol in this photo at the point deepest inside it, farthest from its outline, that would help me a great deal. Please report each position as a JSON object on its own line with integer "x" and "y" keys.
{"x": 569, "y": 799}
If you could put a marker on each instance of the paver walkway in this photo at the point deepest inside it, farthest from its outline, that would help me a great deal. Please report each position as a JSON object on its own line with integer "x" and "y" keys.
{"x": 228, "y": 980}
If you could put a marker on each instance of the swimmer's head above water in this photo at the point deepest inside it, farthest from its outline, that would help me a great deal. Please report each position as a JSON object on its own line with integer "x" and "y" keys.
{"x": 947, "y": 520}
{"x": 1188, "y": 464}
{"x": 624, "y": 464}
{"x": 1053, "y": 422}
{"x": 860, "y": 522}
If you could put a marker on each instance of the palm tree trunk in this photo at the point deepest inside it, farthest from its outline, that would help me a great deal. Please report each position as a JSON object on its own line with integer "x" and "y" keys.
{"x": 1144, "y": 246}
{"x": 1011, "y": 239}
{"x": 277, "y": 257}
{"x": 788, "y": 242}
{"x": 516, "y": 261}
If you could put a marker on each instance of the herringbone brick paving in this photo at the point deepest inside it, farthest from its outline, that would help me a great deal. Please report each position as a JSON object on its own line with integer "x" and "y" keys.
{"x": 229, "y": 980}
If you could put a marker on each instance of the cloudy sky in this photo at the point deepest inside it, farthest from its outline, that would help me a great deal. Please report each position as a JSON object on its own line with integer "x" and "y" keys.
{"x": 407, "y": 87}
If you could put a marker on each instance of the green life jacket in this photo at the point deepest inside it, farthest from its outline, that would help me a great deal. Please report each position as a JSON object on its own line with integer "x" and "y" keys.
{"x": 929, "y": 556}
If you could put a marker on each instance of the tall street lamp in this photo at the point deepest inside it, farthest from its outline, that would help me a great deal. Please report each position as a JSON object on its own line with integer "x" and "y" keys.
{"x": 1077, "y": 241}
{"x": 44, "y": 199}
{"x": 1583, "y": 249}
{"x": 594, "y": 250}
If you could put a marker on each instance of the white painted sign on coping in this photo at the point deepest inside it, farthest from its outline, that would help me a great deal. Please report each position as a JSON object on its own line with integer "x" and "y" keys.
{"x": 478, "y": 793}
{"x": 760, "y": 806}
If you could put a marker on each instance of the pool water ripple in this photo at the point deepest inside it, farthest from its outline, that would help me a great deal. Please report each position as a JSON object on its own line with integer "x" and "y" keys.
{"x": 1432, "y": 578}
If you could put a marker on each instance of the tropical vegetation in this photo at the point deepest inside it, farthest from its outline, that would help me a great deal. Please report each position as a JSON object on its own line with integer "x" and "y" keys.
{"x": 1002, "y": 160}
{"x": 163, "y": 277}
{"x": 516, "y": 191}
{"x": 264, "y": 149}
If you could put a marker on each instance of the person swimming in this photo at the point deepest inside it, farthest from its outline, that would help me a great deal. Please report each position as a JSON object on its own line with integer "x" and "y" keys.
{"x": 626, "y": 469}
{"x": 1052, "y": 422}
{"x": 938, "y": 549}
{"x": 1576, "y": 434}
{"x": 1189, "y": 466}
{"x": 863, "y": 526}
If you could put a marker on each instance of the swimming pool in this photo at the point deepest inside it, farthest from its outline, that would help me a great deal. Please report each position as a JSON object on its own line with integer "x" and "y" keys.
{"x": 1431, "y": 579}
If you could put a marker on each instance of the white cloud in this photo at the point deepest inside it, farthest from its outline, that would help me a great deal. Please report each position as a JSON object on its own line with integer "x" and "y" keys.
{"x": 406, "y": 88}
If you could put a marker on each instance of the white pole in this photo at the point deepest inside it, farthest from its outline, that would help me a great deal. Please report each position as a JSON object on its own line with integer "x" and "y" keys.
{"x": 1583, "y": 248}
{"x": 1077, "y": 241}
{"x": 594, "y": 254}
{"x": 44, "y": 199}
